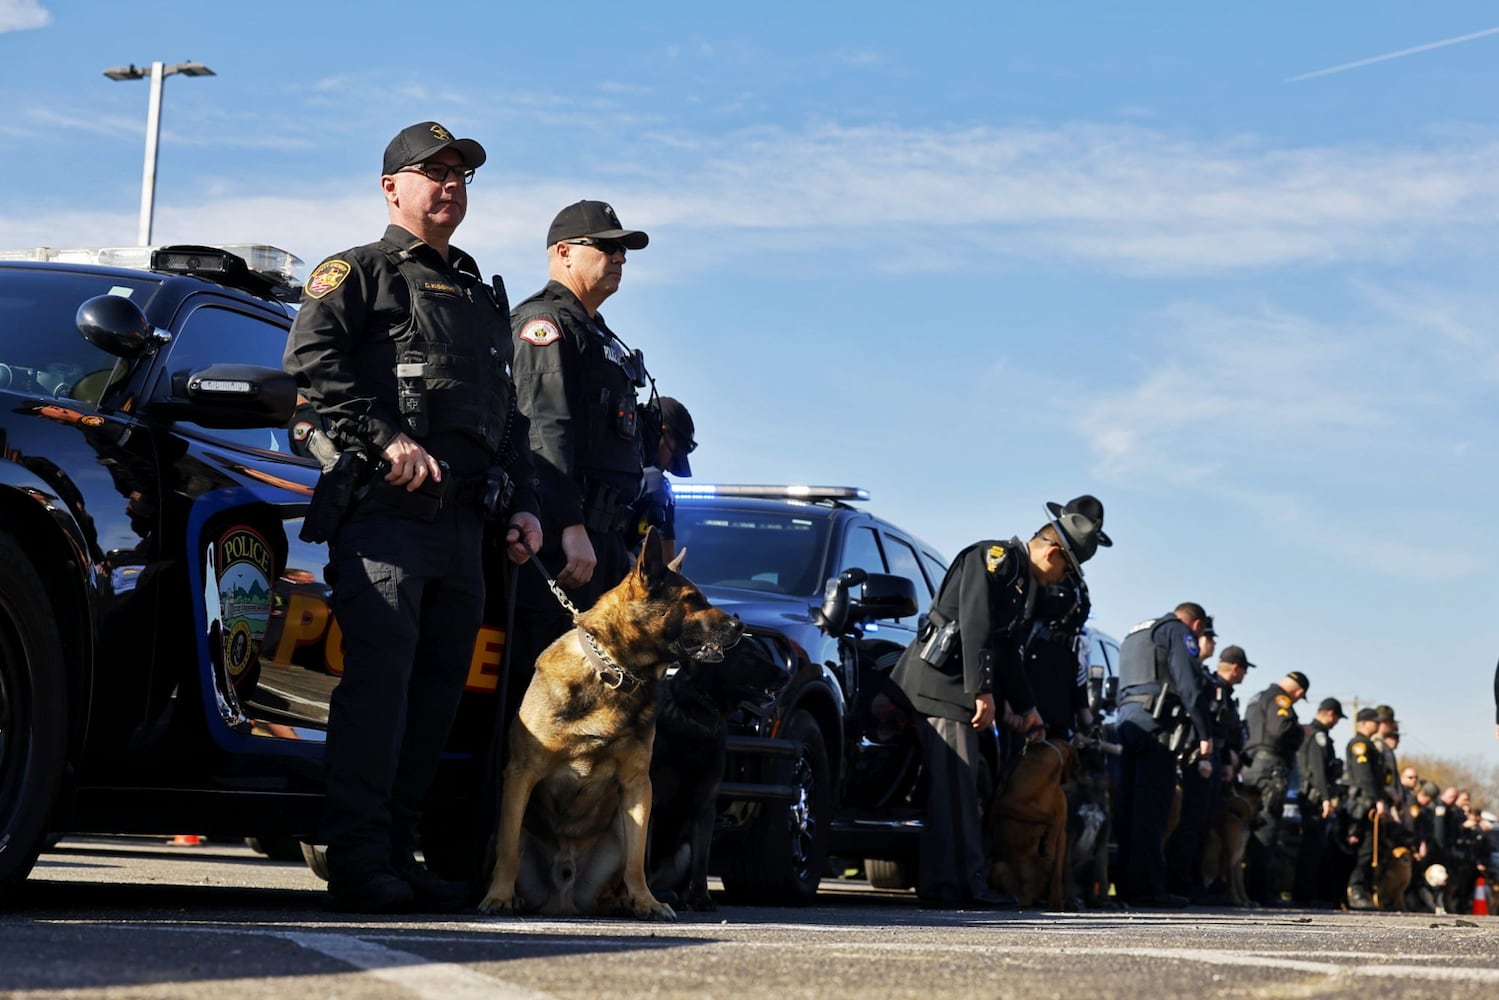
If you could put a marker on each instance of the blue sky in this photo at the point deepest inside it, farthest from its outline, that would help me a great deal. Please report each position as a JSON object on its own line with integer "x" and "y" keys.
{"x": 971, "y": 256}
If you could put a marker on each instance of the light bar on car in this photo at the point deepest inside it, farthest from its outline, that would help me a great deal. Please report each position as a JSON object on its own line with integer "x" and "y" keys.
{"x": 794, "y": 491}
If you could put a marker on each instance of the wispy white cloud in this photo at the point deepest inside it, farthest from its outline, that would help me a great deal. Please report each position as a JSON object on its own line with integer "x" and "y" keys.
{"x": 22, "y": 15}
{"x": 1394, "y": 55}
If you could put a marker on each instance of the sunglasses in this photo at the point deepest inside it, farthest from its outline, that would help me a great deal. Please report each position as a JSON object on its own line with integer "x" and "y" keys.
{"x": 687, "y": 447}
{"x": 440, "y": 172}
{"x": 606, "y": 247}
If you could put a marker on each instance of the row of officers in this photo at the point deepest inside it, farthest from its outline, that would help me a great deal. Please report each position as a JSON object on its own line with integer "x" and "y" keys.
{"x": 433, "y": 407}
{"x": 1186, "y": 746}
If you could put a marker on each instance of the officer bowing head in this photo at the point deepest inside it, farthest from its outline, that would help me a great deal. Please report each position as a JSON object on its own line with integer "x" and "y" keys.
{"x": 1065, "y": 542}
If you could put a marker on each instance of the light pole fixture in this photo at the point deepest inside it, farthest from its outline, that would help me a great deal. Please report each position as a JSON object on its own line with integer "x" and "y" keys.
{"x": 158, "y": 72}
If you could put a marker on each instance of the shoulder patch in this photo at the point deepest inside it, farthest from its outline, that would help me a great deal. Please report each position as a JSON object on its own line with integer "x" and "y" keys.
{"x": 540, "y": 333}
{"x": 328, "y": 276}
{"x": 1192, "y": 647}
{"x": 994, "y": 557}
{"x": 1359, "y": 749}
{"x": 1321, "y": 738}
{"x": 1283, "y": 700}
{"x": 1414, "y": 810}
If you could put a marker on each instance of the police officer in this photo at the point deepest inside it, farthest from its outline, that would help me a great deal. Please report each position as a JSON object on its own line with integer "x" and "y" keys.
{"x": 1385, "y": 716}
{"x": 669, "y": 437}
{"x": 1054, "y": 668}
{"x": 1201, "y": 795}
{"x": 404, "y": 352}
{"x": 1164, "y": 713}
{"x": 1367, "y": 803}
{"x": 1321, "y": 770}
{"x": 964, "y": 663}
{"x": 1272, "y": 736}
{"x": 578, "y": 384}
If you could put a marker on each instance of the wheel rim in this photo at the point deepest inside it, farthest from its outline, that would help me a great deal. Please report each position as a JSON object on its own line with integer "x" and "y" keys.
{"x": 803, "y": 816}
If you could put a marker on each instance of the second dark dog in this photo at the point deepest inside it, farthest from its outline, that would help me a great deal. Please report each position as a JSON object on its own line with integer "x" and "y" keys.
{"x": 687, "y": 763}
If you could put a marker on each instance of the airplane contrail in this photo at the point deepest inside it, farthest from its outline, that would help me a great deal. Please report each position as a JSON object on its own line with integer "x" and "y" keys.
{"x": 1394, "y": 55}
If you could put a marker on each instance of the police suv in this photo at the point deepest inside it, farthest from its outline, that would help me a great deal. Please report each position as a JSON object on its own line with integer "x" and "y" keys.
{"x": 166, "y": 649}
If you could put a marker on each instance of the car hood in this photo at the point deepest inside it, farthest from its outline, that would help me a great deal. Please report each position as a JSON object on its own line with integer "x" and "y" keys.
{"x": 768, "y": 610}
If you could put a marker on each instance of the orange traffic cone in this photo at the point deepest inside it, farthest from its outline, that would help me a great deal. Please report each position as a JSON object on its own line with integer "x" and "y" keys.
{"x": 1480, "y": 898}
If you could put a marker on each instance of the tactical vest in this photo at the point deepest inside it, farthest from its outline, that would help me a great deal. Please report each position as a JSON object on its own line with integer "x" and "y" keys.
{"x": 465, "y": 378}
{"x": 611, "y": 450}
{"x": 1142, "y": 660}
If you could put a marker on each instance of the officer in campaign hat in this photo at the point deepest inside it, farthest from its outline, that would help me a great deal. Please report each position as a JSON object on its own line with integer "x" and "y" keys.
{"x": 404, "y": 353}
{"x": 960, "y": 673}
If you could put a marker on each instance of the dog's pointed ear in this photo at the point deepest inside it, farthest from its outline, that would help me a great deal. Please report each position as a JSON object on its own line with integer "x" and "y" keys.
{"x": 650, "y": 566}
{"x": 676, "y": 564}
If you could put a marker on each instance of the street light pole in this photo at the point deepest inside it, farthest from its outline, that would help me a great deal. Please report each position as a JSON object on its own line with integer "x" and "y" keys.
{"x": 158, "y": 73}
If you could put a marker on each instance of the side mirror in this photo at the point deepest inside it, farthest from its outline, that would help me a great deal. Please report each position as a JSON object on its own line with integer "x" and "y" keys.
{"x": 117, "y": 326}
{"x": 231, "y": 396}
{"x": 832, "y": 617}
{"x": 886, "y": 596}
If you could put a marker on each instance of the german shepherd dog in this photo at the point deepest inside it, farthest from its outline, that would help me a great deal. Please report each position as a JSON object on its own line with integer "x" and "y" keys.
{"x": 1085, "y": 880}
{"x": 576, "y": 801}
{"x": 688, "y": 761}
{"x": 1027, "y": 824}
{"x": 1227, "y": 841}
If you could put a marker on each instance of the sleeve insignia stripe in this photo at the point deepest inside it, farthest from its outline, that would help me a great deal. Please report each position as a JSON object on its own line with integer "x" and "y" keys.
{"x": 540, "y": 333}
{"x": 328, "y": 276}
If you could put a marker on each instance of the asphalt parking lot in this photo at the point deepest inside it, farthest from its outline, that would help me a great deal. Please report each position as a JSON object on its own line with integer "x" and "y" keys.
{"x": 139, "y": 918}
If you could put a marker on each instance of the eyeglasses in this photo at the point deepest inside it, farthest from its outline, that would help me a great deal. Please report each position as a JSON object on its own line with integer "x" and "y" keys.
{"x": 440, "y": 172}
{"x": 687, "y": 449}
{"x": 606, "y": 247}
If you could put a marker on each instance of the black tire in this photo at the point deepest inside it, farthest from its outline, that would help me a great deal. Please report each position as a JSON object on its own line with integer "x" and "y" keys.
{"x": 316, "y": 856}
{"x": 781, "y": 858}
{"x": 884, "y": 874}
{"x": 276, "y": 848}
{"x": 33, "y": 716}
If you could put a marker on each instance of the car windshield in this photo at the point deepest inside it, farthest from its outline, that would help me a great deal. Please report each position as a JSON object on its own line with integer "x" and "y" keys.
{"x": 41, "y": 350}
{"x": 781, "y": 552}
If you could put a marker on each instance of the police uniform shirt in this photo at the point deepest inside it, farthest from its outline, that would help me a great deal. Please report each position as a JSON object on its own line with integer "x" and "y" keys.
{"x": 985, "y": 591}
{"x": 1318, "y": 765}
{"x": 656, "y": 508}
{"x": 1272, "y": 724}
{"x": 1363, "y": 766}
{"x": 347, "y": 339}
{"x": 577, "y": 383}
{"x": 1055, "y": 672}
{"x": 1228, "y": 728}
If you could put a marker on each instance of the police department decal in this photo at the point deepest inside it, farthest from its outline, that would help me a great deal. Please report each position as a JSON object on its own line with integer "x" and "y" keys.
{"x": 540, "y": 332}
{"x": 244, "y": 566}
{"x": 328, "y": 276}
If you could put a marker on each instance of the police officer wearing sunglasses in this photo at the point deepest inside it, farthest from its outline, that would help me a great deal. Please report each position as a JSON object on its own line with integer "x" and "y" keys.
{"x": 579, "y": 386}
{"x": 404, "y": 353}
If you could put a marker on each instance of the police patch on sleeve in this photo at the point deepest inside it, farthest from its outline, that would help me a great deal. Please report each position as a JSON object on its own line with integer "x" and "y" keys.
{"x": 540, "y": 333}
{"x": 1283, "y": 700}
{"x": 328, "y": 276}
{"x": 994, "y": 557}
{"x": 1321, "y": 738}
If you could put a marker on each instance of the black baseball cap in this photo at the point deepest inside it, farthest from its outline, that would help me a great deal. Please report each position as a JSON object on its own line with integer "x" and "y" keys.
{"x": 1332, "y": 705}
{"x": 1300, "y": 679}
{"x": 675, "y": 416}
{"x": 593, "y": 220}
{"x": 1366, "y": 715}
{"x": 421, "y": 141}
{"x": 1235, "y": 655}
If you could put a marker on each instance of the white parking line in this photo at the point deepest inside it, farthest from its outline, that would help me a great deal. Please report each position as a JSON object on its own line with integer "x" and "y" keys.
{"x": 413, "y": 973}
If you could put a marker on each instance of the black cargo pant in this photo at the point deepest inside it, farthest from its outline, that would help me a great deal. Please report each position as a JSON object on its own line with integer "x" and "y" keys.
{"x": 1268, "y": 862}
{"x": 1147, "y": 784}
{"x": 1200, "y": 798}
{"x": 1311, "y": 854}
{"x": 409, "y": 597}
{"x": 951, "y": 866}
